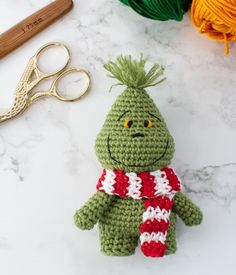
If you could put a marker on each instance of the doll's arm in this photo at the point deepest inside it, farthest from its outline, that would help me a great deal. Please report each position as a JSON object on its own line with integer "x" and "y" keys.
{"x": 88, "y": 215}
{"x": 187, "y": 210}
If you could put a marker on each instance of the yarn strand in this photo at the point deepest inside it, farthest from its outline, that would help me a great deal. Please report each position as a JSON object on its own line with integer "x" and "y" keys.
{"x": 132, "y": 73}
{"x": 162, "y": 10}
{"x": 216, "y": 18}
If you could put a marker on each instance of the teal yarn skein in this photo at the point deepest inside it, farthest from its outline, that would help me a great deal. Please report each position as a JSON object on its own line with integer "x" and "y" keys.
{"x": 161, "y": 10}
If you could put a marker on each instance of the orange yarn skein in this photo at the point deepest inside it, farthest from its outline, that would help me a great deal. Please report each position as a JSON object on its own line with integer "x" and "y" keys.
{"x": 216, "y": 18}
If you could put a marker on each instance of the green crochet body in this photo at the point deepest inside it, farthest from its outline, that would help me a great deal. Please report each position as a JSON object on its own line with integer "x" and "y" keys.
{"x": 119, "y": 221}
{"x": 134, "y": 138}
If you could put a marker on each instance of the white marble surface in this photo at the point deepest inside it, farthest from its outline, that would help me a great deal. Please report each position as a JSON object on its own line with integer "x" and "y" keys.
{"x": 48, "y": 166}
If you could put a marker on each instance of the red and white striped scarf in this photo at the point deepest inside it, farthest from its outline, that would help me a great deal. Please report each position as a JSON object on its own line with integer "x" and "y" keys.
{"x": 158, "y": 189}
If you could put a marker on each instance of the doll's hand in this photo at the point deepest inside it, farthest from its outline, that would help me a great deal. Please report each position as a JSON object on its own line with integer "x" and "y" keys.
{"x": 89, "y": 214}
{"x": 187, "y": 210}
{"x": 84, "y": 218}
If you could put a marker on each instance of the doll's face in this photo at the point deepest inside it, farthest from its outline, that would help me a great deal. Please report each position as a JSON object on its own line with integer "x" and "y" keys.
{"x": 134, "y": 138}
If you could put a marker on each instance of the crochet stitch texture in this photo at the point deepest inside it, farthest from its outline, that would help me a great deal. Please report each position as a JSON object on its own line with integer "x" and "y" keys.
{"x": 157, "y": 190}
{"x": 134, "y": 140}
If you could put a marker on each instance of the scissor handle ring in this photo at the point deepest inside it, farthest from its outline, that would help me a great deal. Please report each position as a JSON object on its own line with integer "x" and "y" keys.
{"x": 84, "y": 91}
{"x": 45, "y": 48}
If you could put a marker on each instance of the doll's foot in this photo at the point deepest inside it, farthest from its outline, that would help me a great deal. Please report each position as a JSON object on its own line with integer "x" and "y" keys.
{"x": 171, "y": 247}
{"x": 171, "y": 237}
{"x": 118, "y": 245}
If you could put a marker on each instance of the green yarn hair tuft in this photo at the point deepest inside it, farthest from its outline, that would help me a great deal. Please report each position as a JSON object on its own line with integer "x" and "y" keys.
{"x": 132, "y": 73}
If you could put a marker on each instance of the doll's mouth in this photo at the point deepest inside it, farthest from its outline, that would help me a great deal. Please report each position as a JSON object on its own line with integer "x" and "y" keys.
{"x": 130, "y": 165}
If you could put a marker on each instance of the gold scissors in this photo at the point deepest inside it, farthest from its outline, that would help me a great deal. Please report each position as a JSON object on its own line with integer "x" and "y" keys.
{"x": 33, "y": 75}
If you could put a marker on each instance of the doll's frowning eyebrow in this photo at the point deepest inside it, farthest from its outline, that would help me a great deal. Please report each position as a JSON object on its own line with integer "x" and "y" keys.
{"x": 120, "y": 117}
{"x": 154, "y": 116}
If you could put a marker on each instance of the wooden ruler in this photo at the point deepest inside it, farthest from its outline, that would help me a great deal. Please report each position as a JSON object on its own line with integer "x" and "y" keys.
{"x": 24, "y": 30}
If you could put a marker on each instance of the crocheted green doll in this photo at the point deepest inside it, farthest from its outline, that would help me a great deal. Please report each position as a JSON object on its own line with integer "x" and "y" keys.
{"x": 138, "y": 194}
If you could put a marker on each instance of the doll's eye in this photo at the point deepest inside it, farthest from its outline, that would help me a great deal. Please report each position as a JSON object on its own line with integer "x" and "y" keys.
{"x": 128, "y": 123}
{"x": 148, "y": 123}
